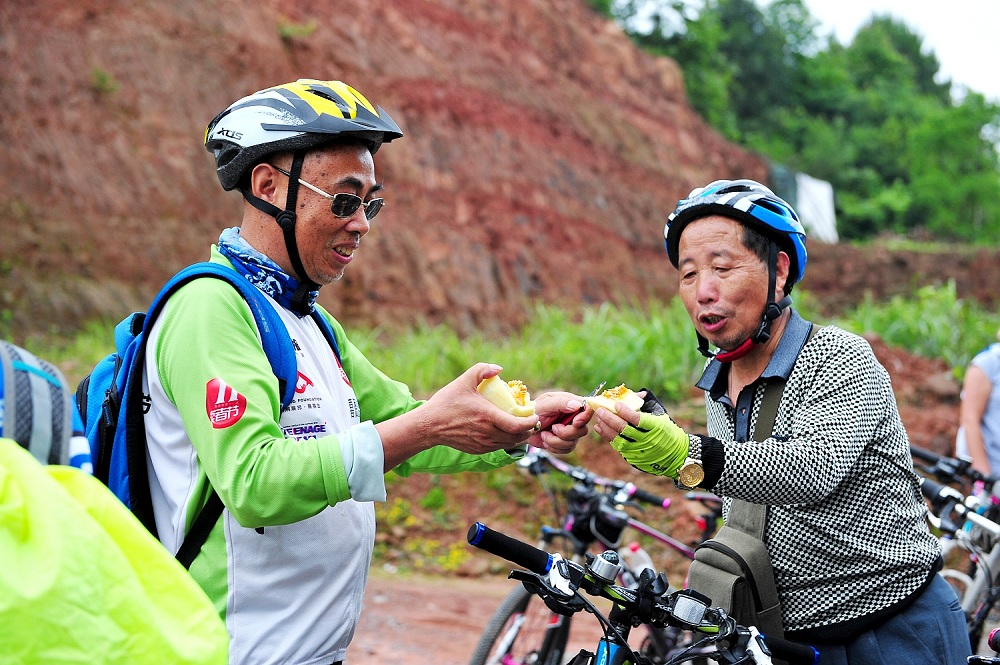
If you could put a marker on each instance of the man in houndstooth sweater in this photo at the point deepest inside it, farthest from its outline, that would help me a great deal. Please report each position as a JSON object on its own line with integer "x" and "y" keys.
{"x": 854, "y": 562}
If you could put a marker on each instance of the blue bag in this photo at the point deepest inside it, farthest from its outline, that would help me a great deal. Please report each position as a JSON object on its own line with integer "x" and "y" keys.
{"x": 113, "y": 406}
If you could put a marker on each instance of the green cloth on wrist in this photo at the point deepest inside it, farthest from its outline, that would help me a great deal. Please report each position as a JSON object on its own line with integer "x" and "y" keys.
{"x": 657, "y": 445}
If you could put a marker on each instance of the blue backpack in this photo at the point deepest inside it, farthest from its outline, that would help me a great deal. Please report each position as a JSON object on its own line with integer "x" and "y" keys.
{"x": 113, "y": 406}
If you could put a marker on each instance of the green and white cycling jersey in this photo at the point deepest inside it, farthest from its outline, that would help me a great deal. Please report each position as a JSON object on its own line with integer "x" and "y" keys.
{"x": 286, "y": 565}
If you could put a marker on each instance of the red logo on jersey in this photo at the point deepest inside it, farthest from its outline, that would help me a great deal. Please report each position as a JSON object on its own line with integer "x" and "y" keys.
{"x": 303, "y": 383}
{"x": 343, "y": 374}
{"x": 223, "y": 404}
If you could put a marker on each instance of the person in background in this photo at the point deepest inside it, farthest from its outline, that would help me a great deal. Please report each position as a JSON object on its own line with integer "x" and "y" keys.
{"x": 979, "y": 416}
{"x": 846, "y": 530}
{"x": 81, "y": 580}
{"x": 287, "y": 562}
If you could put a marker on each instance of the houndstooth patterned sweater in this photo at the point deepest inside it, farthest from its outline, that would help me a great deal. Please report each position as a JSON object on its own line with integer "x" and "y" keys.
{"x": 847, "y": 530}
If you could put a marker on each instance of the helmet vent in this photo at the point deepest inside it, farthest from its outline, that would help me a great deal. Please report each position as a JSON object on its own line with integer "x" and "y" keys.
{"x": 341, "y": 104}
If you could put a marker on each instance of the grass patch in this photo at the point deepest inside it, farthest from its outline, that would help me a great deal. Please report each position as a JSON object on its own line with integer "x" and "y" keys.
{"x": 290, "y": 30}
{"x": 103, "y": 82}
{"x": 651, "y": 346}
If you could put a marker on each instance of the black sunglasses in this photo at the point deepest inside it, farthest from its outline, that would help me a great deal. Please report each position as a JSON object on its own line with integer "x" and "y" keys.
{"x": 342, "y": 204}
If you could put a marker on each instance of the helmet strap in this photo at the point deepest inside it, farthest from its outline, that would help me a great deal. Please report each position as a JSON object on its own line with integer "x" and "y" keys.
{"x": 286, "y": 220}
{"x": 771, "y": 312}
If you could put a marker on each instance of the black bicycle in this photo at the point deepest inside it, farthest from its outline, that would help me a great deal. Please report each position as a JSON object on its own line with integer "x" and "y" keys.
{"x": 523, "y": 630}
{"x": 559, "y": 583}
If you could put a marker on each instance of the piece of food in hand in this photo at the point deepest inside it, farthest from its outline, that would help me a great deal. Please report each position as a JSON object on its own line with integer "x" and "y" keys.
{"x": 610, "y": 398}
{"x": 511, "y": 396}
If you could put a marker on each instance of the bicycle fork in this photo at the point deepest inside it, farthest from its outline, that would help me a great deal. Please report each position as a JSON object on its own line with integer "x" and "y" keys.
{"x": 549, "y": 642}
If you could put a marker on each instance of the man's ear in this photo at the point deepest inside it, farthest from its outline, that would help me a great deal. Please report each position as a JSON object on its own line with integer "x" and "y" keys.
{"x": 784, "y": 265}
{"x": 266, "y": 183}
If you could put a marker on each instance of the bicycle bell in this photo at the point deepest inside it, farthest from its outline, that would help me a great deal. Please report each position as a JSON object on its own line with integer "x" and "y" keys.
{"x": 606, "y": 566}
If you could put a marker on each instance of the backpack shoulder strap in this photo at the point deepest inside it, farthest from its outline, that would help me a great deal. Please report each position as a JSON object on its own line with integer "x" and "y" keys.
{"x": 280, "y": 354}
{"x": 273, "y": 334}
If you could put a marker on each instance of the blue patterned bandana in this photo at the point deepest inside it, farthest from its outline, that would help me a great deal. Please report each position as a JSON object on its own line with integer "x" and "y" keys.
{"x": 261, "y": 271}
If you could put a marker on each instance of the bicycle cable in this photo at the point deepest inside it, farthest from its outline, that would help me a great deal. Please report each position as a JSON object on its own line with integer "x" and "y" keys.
{"x": 606, "y": 624}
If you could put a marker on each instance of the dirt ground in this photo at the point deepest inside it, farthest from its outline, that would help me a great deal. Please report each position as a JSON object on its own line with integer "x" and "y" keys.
{"x": 415, "y": 620}
{"x": 412, "y": 620}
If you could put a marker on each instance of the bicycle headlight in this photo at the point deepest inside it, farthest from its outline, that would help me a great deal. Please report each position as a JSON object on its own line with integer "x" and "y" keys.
{"x": 689, "y": 607}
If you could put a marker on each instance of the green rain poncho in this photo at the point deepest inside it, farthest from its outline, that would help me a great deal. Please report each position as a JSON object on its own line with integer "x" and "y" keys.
{"x": 81, "y": 581}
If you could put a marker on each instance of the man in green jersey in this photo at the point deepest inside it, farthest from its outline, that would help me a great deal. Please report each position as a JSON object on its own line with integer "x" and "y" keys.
{"x": 286, "y": 564}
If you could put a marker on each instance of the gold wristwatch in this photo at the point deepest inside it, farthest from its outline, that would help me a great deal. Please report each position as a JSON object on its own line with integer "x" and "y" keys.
{"x": 692, "y": 473}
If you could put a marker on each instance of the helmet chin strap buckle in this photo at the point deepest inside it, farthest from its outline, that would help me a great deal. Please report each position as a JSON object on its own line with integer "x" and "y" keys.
{"x": 286, "y": 219}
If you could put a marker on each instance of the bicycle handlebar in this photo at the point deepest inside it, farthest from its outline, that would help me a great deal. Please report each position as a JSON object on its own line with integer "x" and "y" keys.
{"x": 516, "y": 551}
{"x": 951, "y": 469}
{"x": 945, "y": 499}
{"x": 536, "y": 457}
{"x": 649, "y": 497}
{"x": 650, "y": 603}
{"x": 791, "y": 652}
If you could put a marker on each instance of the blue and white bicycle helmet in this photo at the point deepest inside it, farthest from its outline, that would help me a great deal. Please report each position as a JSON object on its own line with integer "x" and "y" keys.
{"x": 753, "y": 204}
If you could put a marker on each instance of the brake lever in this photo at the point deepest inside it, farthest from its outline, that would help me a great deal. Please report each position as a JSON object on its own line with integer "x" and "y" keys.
{"x": 555, "y": 599}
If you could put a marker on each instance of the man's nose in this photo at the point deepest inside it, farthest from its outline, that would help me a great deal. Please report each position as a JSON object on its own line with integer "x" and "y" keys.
{"x": 706, "y": 288}
{"x": 358, "y": 223}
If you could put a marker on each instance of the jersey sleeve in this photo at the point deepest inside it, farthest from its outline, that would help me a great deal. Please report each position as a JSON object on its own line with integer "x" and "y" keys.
{"x": 382, "y": 398}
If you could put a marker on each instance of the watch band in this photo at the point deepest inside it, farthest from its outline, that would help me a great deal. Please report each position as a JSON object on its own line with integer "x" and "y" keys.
{"x": 691, "y": 473}
{"x": 694, "y": 446}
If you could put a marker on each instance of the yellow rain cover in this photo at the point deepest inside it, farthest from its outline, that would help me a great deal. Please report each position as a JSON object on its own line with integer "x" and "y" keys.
{"x": 82, "y": 581}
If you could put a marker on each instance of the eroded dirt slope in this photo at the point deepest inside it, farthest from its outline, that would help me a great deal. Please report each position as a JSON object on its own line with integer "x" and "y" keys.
{"x": 542, "y": 154}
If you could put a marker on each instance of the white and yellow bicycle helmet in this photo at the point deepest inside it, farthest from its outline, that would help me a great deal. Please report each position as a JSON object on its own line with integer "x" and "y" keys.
{"x": 292, "y": 117}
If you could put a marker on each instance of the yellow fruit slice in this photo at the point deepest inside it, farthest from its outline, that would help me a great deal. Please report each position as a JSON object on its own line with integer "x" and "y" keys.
{"x": 511, "y": 396}
{"x": 609, "y": 398}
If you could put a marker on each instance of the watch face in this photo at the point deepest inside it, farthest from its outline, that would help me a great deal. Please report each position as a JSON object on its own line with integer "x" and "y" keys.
{"x": 691, "y": 474}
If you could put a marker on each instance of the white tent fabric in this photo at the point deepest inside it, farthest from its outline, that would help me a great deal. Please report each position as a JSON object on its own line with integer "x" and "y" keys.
{"x": 814, "y": 205}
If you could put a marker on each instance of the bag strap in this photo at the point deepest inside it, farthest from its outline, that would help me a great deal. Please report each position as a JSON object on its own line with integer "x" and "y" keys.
{"x": 280, "y": 354}
{"x": 200, "y": 529}
{"x": 751, "y": 518}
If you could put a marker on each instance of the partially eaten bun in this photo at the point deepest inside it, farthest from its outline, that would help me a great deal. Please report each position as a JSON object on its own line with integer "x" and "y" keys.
{"x": 609, "y": 399}
{"x": 511, "y": 396}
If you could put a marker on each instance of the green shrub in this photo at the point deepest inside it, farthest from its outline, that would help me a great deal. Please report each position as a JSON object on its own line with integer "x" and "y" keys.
{"x": 934, "y": 322}
{"x": 103, "y": 82}
{"x": 651, "y": 346}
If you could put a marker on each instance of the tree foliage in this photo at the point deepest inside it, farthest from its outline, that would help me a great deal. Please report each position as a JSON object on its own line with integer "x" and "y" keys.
{"x": 904, "y": 151}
